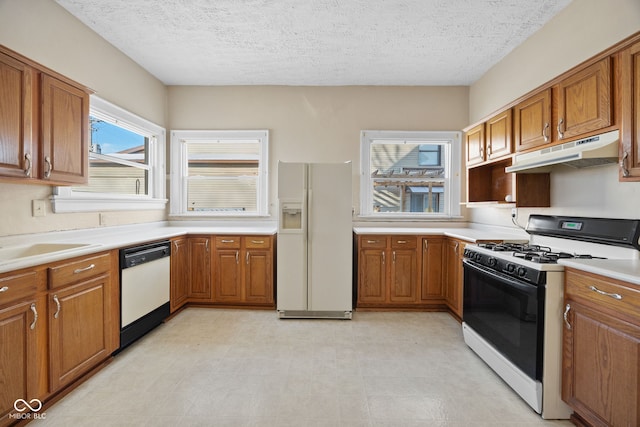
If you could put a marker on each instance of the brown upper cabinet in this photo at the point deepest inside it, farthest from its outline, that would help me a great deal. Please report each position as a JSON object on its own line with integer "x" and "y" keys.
{"x": 630, "y": 126}
{"x": 581, "y": 103}
{"x": 44, "y": 127}
{"x": 584, "y": 101}
{"x": 490, "y": 140}
{"x": 532, "y": 121}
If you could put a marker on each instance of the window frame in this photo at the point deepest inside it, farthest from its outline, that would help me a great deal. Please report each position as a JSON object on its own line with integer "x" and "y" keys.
{"x": 450, "y": 159}
{"x": 66, "y": 199}
{"x": 179, "y": 171}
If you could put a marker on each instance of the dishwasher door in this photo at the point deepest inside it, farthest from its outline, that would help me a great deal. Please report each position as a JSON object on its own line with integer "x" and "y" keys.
{"x": 144, "y": 289}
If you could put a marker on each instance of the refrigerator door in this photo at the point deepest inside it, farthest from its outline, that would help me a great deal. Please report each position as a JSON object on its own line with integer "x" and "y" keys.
{"x": 292, "y": 237}
{"x": 330, "y": 237}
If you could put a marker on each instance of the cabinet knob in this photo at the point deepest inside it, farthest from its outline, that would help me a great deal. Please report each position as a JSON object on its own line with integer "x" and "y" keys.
{"x": 4, "y": 289}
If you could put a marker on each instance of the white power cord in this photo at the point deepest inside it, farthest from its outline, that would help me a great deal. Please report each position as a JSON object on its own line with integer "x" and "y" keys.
{"x": 514, "y": 218}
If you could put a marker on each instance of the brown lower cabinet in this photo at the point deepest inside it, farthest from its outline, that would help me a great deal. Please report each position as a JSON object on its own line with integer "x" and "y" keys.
{"x": 410, "y": 271}
{"x": 243, "y": 270}
{"x": 601, "y": 350}
{"x": 57, "y": 322}
{"x": 223, "y": 270}
{"x": 453, "y": 275}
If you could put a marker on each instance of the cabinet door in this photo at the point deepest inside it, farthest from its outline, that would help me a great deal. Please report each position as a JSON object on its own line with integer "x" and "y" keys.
{"x": 258, "y": 271}
{"x": 179, "y": 273}
{"x": 454, "y": 277}
{"x": 630, "y": 129}
{"x": 65, "y": 132}
{"x": 18, "y": 354}
{"x": 432, "y": 283}
{"x": 474, "y": 142}
{"x": 584, "y": 101}
{"x": 228, "y": 276}
{"x": 498, "y": 135}
{"x": 601, "y": 367}
{"x": 16, "y": 121}
{"x": 404, "y": 277}
{"x": 79, "y": 322}
{"x": 199, "y": 268}
{"x": 532, "y": 121}
{"x": 372, "y": 277}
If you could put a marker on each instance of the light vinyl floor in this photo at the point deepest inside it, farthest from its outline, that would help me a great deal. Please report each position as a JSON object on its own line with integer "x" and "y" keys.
{"x": 213, "y": 367}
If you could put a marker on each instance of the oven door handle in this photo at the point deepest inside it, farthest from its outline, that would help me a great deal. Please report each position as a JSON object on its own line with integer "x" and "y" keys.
{"x": 511, "y": 281}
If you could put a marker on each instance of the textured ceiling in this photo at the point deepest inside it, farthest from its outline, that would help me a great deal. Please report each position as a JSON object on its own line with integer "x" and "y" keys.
{"x": 315, "y": 42}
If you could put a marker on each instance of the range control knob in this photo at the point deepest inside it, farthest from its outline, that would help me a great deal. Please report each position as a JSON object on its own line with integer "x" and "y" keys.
{"x": 492, "y": 262}
{"x": 511, "y": 268}
{"x": 522, "y": 271}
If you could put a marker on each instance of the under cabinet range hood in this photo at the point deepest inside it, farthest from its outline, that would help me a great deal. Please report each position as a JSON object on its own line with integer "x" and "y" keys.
{"x": 592, "y": 151}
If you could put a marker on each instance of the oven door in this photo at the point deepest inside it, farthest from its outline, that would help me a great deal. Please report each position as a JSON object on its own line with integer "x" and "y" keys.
{"x": 508, "y": 313}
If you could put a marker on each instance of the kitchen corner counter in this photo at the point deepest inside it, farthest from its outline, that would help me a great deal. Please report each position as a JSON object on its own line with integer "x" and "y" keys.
{"x": 627, "y": 270}
{"x": 107, "y": 238}
{"x": 469, "y": 234}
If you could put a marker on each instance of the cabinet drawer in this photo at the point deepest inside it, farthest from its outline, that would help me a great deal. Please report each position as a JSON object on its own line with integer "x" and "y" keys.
{"x": 373, "y": 241}
{"x": 257, "y": 242}
{"x": 18, "y": 286}
{"x": 78, "y": 269}
{"x": 616, "y": 295}
{"x": 404, "y": 242}
{"x": 228, "y": 242}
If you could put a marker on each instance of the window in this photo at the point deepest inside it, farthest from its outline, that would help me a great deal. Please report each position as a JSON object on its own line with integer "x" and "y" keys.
{"x": 219, "y": 173}
{"x": 410, "y": 174}
{"x": 126, "y": 164}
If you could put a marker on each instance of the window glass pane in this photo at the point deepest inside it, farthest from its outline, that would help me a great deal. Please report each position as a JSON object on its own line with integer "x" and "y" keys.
{"x": 409, "y": 196}
{"x": 407, "y": 177}
{"x": 223, "y": 176}
{"x": 109, "y": 145}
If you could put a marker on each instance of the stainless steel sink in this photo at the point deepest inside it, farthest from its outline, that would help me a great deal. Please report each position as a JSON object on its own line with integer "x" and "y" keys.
{"x": 12, "y": 253}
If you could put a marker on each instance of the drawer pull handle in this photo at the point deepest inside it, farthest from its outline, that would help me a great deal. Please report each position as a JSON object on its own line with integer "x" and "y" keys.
{"x": 373, "y": 241}
{"x": 560, "y": 127}
{"x": 236, "y": 257}
{"x": 545, "y": 134}
{"x": 227, "y": 241}
{"x": 426, "y": 244}
{"x": 4, "y": 289}
{"x": 608, "y": 294}
{"x": 257, "y": 242}
{"x": 57, "y": 301}
{"x": 246, "y": 258}
{"x": 383, "y": 258}
{"x": 394, "y": 256}
{"x": 82, "y": 270}
{"x": 565, "y": 316}
{"x": 624, "y": 164}
{"x": 35, "y": 316}
{"x": 402, "y": 241}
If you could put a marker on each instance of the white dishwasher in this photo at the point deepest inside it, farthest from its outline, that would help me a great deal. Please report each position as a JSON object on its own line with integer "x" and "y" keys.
{"x": 144, "y": 289}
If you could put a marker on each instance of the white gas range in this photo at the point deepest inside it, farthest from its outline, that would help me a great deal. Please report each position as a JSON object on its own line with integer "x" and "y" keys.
{"x": 513, "y": 300}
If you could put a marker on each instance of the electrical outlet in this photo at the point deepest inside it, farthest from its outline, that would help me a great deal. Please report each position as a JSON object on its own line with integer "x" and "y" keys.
{"x": 514, "y": 212}
{"x": 103, "y": 219}
{"x": 38, "y": 207}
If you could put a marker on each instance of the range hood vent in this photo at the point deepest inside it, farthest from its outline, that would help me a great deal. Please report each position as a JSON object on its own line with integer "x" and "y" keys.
{"x": 593, "y": 151}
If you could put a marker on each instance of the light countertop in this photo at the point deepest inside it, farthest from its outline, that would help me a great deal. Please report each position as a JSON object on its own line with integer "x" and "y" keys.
{"x": 627, "y": 270}
{"x": 470, "y": 234}
{"x": 107, "y": 238}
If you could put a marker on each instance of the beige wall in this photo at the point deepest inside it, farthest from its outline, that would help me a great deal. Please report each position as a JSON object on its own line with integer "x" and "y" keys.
{"x": 44, "y": 32}
{"x": 583, "y": 29}
{"x": 317, "y": 124}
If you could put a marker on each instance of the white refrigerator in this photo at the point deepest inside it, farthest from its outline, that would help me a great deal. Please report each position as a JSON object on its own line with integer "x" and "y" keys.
{"x": 314, "y": 264}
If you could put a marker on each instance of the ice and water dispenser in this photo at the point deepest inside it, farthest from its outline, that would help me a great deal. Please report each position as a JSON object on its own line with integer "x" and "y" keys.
{"x": 291, "y": 216}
